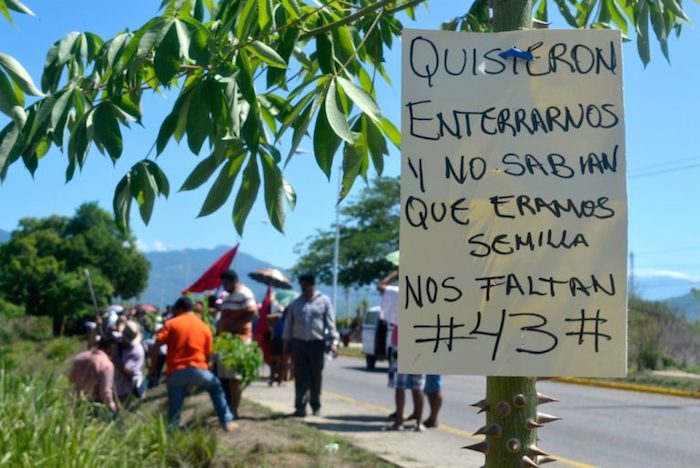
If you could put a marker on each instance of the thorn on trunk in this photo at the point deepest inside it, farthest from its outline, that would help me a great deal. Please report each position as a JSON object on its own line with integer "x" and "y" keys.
{"x": 542, "y": 399}
{"x": 513, "y": 445}
{"x": 532, "y": 424}
{"x": 534, "y": 451}
{"x": 519, "y": 400}
{"x": 493, "y": 430}
{"x": 503, "y": 409}
{"x": 482, "y": 447}
{"x": 543, "y": 460}
{"x": 483, "y": 405}
{"x": 528, "y": 462}
{"x": 544, "y": 418}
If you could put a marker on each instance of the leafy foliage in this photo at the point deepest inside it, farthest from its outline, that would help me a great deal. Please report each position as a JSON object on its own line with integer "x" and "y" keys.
{"x": 45, "y": 260}
{"x": 252, "y": 76}
{"x": 369, "y": 230}
{"x": 244, "y": 358}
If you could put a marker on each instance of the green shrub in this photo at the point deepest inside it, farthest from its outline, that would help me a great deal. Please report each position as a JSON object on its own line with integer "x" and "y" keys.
{"x": 44, "y": 425}
{"x": 648, "y": 358}
{"x": 244, "y": 358}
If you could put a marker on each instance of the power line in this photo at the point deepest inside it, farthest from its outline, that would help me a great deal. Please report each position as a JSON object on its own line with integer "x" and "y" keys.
{"x": 661, "y": 165}
{"x": 653, "y": 173}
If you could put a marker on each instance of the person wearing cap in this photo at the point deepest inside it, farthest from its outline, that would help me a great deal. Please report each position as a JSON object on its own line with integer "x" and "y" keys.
{"x": 189, "y": 342}
{"x": 309, "y": 330}
{"x": 238, "y": 310}
{"x": 92, "y": 374}
{"x": 128, "y": 362}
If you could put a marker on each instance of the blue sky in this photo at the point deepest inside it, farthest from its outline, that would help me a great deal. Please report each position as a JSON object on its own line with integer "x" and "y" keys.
{"x": 662, "y": 126}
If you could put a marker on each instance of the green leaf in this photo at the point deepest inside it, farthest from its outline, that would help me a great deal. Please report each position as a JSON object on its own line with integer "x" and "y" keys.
{"x": 203, "y": 171}
{"x": 121, "y": 203}
{"x": 566, "y": 13}
{"x": 390, "y": 131}
{"x": 79, "y": 143}
{"x": 677, "y": 10}
{"x": 198, "y": 122}
{"x": 107, "y": 132}
{"x": 166, "y": 131}
{"x": 19, "y": 7}
{"x": 65, "y": 47}
{"x": 344, "y": 46}
{"x": 167, "y": 59}
{"x": 352, "y": 162}
{"x": 301, "y": 125}
{"x": 59, "y": 115}
{"x": 541, "y": 12}
{"x": 336, "y": 118}
{"x": 264, "y": 14}
{"x": 267, "y": 54}
{"x": 247, "y": 194}
{"x": 289, "y": 194}
{"x": 9, "y": 136}
{"x": 19, "y": 75}
{"x": 643, "y": 33}
{"x": 360, "y": 97}
{"x": 245, "y": 21}
{"x": 274, "y": 192}
{"x": 143, "y": 189}
{"x": 616, "y": 15}
{"x": 659, "y": 24}
{"x": 292, "y": 8}
{"x": 8, "y": 97}
{"x": 326, "y": 142}
{"x": 376, "y": 144}
{"x": 162, "y": 183}
{"x": 223, "y": 185}
{"x": 284, "y": 49}
{"x": 324, "y": 54}
{"x": 184, "y": 38}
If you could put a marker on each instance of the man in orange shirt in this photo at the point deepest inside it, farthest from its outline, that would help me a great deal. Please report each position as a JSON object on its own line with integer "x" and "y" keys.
{"x": 189, "y": 343}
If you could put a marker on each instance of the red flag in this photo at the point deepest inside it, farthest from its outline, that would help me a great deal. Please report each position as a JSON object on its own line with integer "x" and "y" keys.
{"x": 210, "y": 279}
{"x": 262, "y": 335}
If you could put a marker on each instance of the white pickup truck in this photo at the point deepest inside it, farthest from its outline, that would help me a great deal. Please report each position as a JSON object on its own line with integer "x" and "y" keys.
{"x": 376, "y": 335}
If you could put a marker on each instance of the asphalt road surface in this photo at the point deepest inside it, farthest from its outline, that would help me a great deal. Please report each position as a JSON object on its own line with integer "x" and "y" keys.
{"x": 601, "y": 427}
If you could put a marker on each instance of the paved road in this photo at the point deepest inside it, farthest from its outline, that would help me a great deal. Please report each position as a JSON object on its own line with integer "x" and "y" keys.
{"x": 602, "y": 427}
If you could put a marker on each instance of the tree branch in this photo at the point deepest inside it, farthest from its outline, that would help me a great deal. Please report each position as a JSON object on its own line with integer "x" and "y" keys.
{"x": 359, "y": 13}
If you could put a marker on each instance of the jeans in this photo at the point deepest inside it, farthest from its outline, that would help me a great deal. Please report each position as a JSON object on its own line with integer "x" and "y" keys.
{"x": 178, "y": 384}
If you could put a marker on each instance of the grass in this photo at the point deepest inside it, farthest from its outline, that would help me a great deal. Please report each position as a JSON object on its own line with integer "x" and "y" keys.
{"x": 43, "y": 425}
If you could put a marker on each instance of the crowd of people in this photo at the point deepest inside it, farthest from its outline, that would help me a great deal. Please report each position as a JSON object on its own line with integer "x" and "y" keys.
{"x": 115, "y": 373}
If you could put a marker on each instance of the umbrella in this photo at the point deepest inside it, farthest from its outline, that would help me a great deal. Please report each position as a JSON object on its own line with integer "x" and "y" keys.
{"x": 148, "y": 308}
{"x": 272, "y": 277}
{"x": 114, "y": 309}
{"x": 393, "y": 257}
{"x": 283, "y": 298}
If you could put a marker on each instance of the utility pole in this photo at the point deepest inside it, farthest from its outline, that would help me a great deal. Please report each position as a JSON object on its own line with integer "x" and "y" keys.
{"x": 336, "y": 245}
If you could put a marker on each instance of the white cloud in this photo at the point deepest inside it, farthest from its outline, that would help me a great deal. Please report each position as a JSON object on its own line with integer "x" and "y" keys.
{"x": 156, "y": 246}
{"x": 159, "y": 246}
{"x": 670, "y": 274}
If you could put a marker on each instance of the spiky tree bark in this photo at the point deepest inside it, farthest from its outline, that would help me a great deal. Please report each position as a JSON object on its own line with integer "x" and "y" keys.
{"x": 511, "y": 402}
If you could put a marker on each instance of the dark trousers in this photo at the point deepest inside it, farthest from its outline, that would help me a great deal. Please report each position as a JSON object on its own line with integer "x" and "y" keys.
{"x": 308, "y": 359}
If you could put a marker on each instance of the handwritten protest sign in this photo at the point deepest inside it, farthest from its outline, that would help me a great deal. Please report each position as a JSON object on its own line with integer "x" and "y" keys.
{"x": 514, "y": 213}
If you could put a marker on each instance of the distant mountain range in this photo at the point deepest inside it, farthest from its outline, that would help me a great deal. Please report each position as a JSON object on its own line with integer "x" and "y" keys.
{"x": 172, "y": 271}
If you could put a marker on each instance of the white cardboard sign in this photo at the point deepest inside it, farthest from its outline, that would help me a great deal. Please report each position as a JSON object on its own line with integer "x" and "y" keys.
{"x": 514, "y": 204}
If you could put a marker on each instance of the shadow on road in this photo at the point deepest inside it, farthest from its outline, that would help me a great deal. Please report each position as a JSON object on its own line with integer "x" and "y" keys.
{"x": 376, "y": 370}
{"x": 351, "y": 423}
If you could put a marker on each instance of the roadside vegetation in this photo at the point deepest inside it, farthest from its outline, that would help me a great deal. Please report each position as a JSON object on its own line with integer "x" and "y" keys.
{"x": 45, "y": 426}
